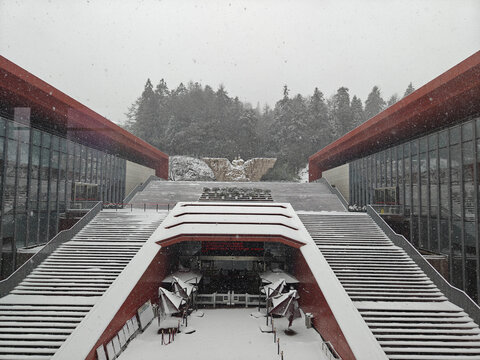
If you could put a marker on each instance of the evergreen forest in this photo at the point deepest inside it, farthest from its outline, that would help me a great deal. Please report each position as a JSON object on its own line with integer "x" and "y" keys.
{"x": 199, "y": 121}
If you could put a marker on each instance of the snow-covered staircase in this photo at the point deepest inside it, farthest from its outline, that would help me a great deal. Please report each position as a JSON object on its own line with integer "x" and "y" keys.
{"x": 44, "y": 309}
{"x": 406, "y": 312}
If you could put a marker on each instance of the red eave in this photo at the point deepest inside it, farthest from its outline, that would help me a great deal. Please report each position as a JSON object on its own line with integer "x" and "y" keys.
{"x": 446, "y": 99}
{"x": 25, "y": 89}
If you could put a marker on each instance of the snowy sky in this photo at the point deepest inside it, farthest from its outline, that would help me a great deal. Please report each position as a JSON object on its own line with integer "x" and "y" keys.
{"x": 101, "y": 52}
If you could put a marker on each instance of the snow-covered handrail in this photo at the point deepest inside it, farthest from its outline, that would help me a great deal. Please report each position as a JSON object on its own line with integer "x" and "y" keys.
{"x": 335, "y": 191}
{"x": 140, "y": 187}
{"x": 330, "y": 351}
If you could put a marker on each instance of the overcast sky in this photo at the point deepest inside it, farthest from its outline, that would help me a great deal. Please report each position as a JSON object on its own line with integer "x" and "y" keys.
{"x": 101, "y": 52}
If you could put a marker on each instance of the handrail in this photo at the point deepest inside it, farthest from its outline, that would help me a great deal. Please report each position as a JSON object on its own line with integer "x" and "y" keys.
{"x": 455, "y": 295}
{"x": 140, "y": 187}
{"x": 22, "y": 272}
{"x": 330, "y": 351}
{"x": 335, "y": 191}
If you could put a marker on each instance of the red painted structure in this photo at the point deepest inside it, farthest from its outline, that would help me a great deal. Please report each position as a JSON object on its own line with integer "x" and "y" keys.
{"x": 145, "y": 289}
{"x": 311, "y": 297}
{"x": 233, "y": 237}
{"x": 54, "y": 109}
{"x": 449, "y": 98}
{"x": 313, "y": 301}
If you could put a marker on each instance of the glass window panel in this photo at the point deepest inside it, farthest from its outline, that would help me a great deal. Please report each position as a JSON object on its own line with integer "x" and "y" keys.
{"x": 54, "y": 142}
{"x": 468, "y": 186}
{"x": 63, "y": 145}
{"x": 467, "y": 131}
{"x": 414, "y": 147}
{"x": 12, "y": 130}
{"x": 23, "y": 165}
{"x": 21, "y": 230}
{"x": 21, "y": 192}
{"x": 400, "y": 181}
{"x": 12, "y": 152}
{"x": 444, "y": 204}
{"x": 2, "y": 127}
{"x": 36, "y": 137}
{"x": 43, "y": 234}
{"x": 53, "y": 224}
{"x": 44, "y": 168}
{"x": 24, "y": 133}
{"x": 455, "y": 135}
{"x": 9, "y": 194}
{"x": 388, "y": 168}
{"x": 432, "y": 141}
{"x": 32, "y": 223}
{"x": 406, "y": 150}
{"x": 443, "y": 138}
{"x": 477, "y": 122}
{"x": 423, "y": 144}
{"x": 1, "y": 156}
{"x": 35, "y": 162}
{"x": 455, "y": 169}
{"x": 415, "y": 189}
{"x": 433, "y": 173}
{"x": 46, "y": 140}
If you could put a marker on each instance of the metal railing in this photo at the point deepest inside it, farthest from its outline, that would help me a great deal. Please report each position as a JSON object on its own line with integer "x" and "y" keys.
{"x": 139, "y": 206}
{"x": 21, "y": 273}
{"x": 229, "y": 298}
{"x": 330, "y": 351}
{"x": 140, "y": 187}
{"x": 335, "y": 191}
{"x": 455, "y": 295}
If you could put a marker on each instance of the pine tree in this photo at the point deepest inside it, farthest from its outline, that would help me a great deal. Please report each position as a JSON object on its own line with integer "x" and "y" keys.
{"x": 341, "y": 116}
{"x": 357, "y": 110}
{"x": 393, "y": 99}
{"x": 410, "y": 89}
{"x": 318, "y": 122}
{"x": 144, "y": 112}
{"x": 374, "y": 103}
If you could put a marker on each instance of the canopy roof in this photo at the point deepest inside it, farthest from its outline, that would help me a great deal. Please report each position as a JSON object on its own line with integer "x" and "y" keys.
{"x": 235, "y": 221}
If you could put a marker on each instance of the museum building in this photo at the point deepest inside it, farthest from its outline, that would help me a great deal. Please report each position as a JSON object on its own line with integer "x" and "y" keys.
{"x": 58, "y": 157}
{"x": 417, "y": 164}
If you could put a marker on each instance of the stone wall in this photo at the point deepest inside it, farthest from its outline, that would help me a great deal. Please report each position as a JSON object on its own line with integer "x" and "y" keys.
{"x": 239, "y": 170}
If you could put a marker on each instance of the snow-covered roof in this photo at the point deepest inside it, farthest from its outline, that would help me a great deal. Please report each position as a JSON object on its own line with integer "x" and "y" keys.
{"x": 199, "y": 220}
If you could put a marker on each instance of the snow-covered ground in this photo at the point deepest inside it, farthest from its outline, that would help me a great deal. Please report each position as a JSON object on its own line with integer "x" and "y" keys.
{"x": 228, "y": 334}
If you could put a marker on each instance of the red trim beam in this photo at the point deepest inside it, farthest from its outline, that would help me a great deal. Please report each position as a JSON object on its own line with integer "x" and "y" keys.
{"x": 450, "y": 97}
{"x": 18, "y": 87}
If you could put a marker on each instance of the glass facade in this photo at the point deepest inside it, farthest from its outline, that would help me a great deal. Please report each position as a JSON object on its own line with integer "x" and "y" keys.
{"x": 38, "y": 172}
{"x": 433, "y": 183}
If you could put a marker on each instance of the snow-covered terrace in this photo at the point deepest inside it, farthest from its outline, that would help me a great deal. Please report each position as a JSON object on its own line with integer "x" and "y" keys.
{"x": 336, "y": 317}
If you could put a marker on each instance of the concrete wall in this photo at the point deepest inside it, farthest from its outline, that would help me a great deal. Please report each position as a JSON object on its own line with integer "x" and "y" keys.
{"x": 136, "y": 174}
{"x": 340, "y": 178}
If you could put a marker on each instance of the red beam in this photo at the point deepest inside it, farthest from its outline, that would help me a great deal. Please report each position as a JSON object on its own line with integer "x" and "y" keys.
{"x": 232, "y": 237}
